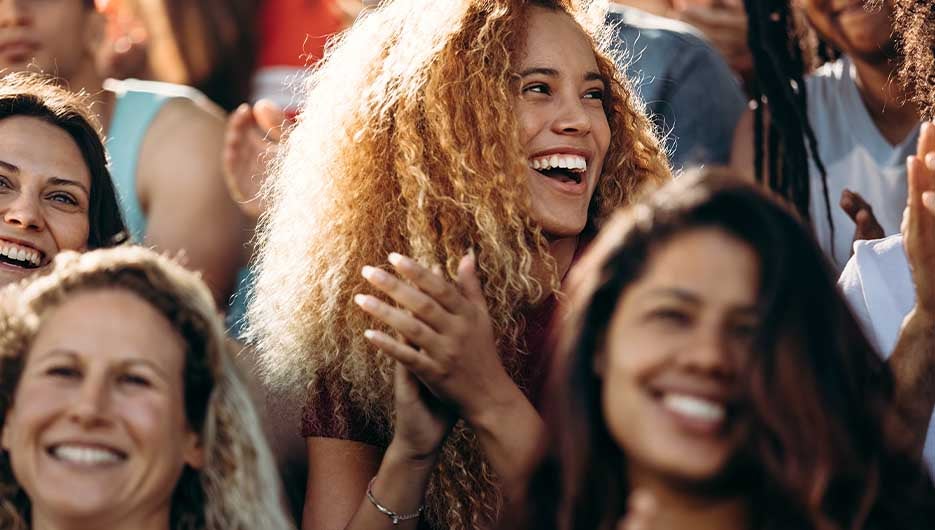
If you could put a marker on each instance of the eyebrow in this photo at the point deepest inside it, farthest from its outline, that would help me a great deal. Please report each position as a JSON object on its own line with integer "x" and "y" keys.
{"x": 9, "y": 167}
{"x": 55, "y": 181}
{"x": 552, "y": 72}
{"x": 128, "y": 362}
{"x": 687, "y": 296}
{"x": 58, "y": 181}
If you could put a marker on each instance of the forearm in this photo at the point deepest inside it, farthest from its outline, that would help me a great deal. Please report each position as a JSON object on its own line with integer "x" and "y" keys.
{"x": 513, "y": 438}
{"x": 913, "y": 367}
{"x": 399, "y": 486}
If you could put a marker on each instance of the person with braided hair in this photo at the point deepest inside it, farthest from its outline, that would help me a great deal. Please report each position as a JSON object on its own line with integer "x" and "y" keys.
{"x": 889, "y": 281}
{"x": 835, "y": 141}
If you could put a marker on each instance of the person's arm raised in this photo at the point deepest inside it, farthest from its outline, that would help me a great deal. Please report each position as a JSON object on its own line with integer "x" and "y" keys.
{"x": 913, "y": 359}
{"x": 182, "y": 191}
{"x": 450, "y": 346}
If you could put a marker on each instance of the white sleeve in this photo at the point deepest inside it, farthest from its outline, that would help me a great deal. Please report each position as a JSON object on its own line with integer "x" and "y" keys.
{"x": 853, "y": 288}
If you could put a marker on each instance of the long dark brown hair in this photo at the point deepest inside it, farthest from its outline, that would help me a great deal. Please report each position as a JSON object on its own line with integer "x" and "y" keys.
{"x": 38, "y": 96}
{"x": 818, "y": 448}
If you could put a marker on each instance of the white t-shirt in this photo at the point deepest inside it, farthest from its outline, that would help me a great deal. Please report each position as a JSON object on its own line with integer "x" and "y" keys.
{"x": 878, "y": 285}
{"x": 856, "y": 156}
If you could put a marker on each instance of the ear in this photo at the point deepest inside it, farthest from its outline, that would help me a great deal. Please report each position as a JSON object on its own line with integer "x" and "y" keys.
{"x": 193, "y": 454}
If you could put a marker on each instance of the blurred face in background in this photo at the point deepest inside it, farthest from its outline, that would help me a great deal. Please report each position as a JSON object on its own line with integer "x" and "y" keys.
{"x": 668, "y": 366}
{"x": 856, "y": 27}
{"x": 58, "y": 37}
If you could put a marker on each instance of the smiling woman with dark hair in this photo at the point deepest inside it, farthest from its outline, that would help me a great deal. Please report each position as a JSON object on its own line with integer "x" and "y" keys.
{"x": 55, "y": 190}
{"x": 709, "y": 360}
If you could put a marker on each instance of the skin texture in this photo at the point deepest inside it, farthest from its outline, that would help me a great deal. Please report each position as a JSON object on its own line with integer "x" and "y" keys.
{"x": 561, "y": 110}
{"x": 913, "y": 359}
{"x": 44, "y": 191}
{"x": 180, "y": 183}
{"x": 558, "y": 108}
{"x": 679, "y": 330}
{"x": 105, "y": 371}
{"x": 674, "y": 332}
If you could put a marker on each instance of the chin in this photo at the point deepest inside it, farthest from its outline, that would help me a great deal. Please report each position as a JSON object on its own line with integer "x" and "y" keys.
{"x": 555, "y": 228}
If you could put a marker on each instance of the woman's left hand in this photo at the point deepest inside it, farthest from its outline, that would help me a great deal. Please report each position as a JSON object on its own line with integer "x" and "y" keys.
{"x": 451, "y": 346}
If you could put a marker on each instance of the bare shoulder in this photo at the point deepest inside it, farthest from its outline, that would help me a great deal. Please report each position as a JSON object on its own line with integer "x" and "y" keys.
{"x": 183, "y": 123}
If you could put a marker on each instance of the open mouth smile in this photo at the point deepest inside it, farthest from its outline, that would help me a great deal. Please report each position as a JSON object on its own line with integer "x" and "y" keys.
{"x": 20, "y": 256}
{"x": 565, "y": 168}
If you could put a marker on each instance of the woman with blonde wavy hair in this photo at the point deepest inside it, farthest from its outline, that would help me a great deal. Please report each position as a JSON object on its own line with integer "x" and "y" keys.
{"x": 121, "y": 406}
{"x": 476, "y": 145}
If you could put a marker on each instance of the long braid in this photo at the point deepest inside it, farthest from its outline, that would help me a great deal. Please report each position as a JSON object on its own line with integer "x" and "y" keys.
{"x": 780, "y": 64}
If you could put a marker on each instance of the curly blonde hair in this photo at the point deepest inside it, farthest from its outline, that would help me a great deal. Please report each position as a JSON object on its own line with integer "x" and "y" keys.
{"x": 914, "y": 22}
{"x": 408, "y": 141}
{"x": 238, "y": 487}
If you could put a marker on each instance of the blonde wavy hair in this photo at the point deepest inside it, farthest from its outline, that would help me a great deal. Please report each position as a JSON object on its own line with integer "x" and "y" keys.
{"x": 238, "y": 488}
{"x": 408, "y": 141}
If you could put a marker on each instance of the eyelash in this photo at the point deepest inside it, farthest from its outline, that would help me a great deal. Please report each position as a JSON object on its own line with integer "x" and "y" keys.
{"x": 68, "y": 372}
{"x": 62, "y": 371}
{"x": 134, "y": 380}
{"x": 69, "y": 200}
{"x": 599, "y": 93}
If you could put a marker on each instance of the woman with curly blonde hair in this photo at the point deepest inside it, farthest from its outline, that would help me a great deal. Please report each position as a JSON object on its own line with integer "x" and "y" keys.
{"x": 121, "y": 406}
{"x": 478, "y": 141}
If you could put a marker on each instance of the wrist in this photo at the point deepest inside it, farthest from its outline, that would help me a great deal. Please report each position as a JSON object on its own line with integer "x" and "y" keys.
{"x": 500, "y": 405}
{"x": 400, "y": 454}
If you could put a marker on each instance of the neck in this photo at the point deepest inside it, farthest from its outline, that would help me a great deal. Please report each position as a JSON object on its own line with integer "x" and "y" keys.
{"x": 563, "y": 252}
{"x": 103, "y": 102}
{"x": 885, "y": 99}
{"x": 158, "y": 520}
{"x": 686, "y": 508}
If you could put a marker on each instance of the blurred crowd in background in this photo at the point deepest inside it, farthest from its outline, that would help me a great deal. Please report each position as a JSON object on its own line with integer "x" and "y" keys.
{"x": 364, "y": 264}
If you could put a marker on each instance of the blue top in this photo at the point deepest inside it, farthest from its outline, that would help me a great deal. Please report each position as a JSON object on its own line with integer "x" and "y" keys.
{"x": 690, "y": 93}
{"x": 138, "y": 103}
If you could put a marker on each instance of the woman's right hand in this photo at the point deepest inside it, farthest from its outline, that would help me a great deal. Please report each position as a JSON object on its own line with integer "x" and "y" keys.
{"x": 422, "y": 420}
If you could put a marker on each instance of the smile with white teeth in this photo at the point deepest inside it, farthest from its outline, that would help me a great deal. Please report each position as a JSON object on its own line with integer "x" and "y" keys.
{"x": 694, "y": 407}
{"x": 84, "y": 455}
{"x": 20, "y": 255}
{"x": 574, "y": 163}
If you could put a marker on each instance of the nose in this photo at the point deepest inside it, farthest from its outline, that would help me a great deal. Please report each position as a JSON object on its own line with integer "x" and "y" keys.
{"x": 14, "y": 13}
{"x": 709, "y": 354}
{"x": 89, "y": 408}
{"x": 572, "y": 118}
{"x": 24, "y": 212}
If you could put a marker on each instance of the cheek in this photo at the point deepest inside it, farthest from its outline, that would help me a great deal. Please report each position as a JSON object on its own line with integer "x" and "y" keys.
{"x": 531, "y": 122}
{"x": 69, "y": 230}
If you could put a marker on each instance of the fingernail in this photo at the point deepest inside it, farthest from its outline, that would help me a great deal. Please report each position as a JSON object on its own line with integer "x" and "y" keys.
{"x": 930, "y": 161}
{"x": 374, "y": 274}
{"x": 364, "y": 301}
{"x": 398, "y": 260}
{"x": 370, "y": 334}
{"x": 928, "y": 199}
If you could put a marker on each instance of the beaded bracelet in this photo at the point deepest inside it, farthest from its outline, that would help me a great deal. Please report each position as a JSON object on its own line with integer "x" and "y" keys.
{"x": 395, "y": 517}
